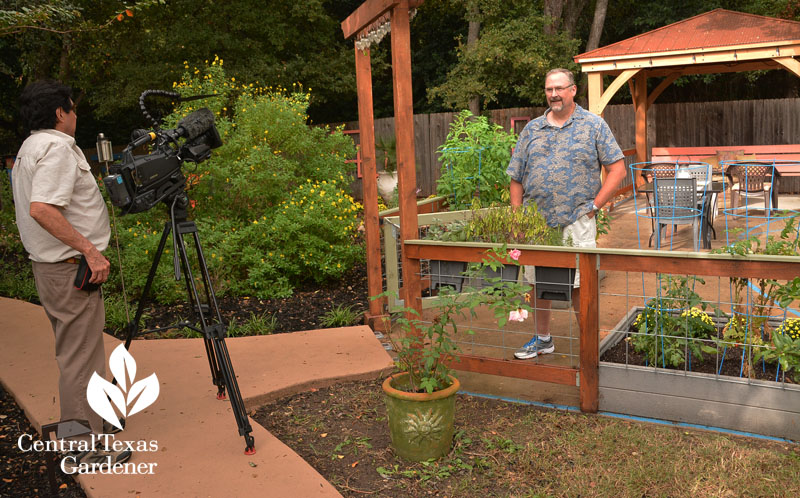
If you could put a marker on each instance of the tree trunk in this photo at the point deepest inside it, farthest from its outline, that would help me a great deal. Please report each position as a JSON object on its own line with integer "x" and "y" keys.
{"x": 553, "y": 10}
{"x": 572, "y": 14}
{"x": 600, "y": 9}
{"x": 472, "y": 38}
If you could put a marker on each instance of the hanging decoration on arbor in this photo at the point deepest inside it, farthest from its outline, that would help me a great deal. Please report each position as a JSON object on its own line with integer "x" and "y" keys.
{"x": 375, "y": 32}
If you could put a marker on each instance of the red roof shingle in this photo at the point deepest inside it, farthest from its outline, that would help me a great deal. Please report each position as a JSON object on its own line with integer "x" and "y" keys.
{"x": 717, "y": 28}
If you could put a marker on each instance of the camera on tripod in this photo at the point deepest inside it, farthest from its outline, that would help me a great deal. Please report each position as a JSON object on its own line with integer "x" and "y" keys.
{"x": 140, "y": 182}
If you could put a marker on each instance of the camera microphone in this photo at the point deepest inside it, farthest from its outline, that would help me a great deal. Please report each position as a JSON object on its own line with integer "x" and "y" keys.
{"x": 195, "y": 124}
{"x": 141, "y": 137}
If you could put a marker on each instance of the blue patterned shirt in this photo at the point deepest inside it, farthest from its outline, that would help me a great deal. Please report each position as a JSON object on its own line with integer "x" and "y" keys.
{"x": 559, "y": 168}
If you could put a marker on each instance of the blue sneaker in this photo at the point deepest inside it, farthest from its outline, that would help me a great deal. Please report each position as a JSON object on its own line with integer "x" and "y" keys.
{"x": 534, "y": 348}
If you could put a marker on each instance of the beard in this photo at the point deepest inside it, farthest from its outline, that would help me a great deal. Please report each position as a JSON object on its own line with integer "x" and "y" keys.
{"x": 557, "y": 105}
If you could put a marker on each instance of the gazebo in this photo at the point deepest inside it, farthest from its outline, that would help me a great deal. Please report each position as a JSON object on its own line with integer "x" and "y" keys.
{"x": 719, "y": 41}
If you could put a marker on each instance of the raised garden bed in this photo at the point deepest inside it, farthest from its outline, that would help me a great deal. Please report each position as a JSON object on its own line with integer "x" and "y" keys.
{"x": 703, "y": 395}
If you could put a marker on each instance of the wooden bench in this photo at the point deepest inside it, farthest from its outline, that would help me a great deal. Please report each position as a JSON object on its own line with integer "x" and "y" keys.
{"x": 787, "y": 178}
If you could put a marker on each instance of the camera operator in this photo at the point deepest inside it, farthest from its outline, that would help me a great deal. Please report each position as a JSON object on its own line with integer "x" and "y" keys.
{"x": 61, "y": 216}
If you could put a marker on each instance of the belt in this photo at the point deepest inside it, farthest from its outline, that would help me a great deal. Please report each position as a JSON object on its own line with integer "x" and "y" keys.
{"x": 74, "y": 261}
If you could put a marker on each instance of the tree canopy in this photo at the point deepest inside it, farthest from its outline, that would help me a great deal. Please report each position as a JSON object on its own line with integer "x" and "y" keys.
{"x": 110, "y": 51}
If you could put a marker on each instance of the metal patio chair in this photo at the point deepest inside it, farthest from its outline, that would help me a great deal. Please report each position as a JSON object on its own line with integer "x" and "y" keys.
{"x": 676, "y": 203}
{"x": 751, "y": 179}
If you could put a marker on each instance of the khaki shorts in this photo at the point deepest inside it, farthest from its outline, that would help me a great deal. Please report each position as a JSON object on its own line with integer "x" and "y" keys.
{"x": 584, "y": 234}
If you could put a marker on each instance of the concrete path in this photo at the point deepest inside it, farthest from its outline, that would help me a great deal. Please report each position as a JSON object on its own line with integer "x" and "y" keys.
{"x": 199, "y": 451}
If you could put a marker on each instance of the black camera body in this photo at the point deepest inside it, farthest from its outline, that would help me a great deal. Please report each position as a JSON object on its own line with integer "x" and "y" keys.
{"x": 139, "y": 182}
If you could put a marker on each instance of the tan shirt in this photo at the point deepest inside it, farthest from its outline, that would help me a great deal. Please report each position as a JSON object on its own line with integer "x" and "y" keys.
{"x": 50, "y": 168}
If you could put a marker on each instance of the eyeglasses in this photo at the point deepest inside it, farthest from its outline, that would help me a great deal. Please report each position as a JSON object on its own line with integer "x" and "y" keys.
{"x": 557, "y": 89}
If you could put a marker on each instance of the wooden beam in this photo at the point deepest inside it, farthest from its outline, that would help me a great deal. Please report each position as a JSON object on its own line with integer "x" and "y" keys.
{"x": 516, "y": 369}
{"x": 671, "y": 77}
{"x": 476, "y": 254}
{"x": 595, "y": 80}
{"x": 640, "y": 106}
{"x": 789, "y": 63}
{"x": 614, "y": 87}
{"x": 670, "y": 59}
{"x": 404, "y": 135}
{"x": 369, "y": 185}
{"x": 776, "y": 270}
{"x": 366, "y": 14}
{"x": 589, "y": 339}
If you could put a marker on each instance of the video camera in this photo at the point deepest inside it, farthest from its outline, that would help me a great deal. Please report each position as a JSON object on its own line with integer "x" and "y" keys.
{"x": 140, "y": 182}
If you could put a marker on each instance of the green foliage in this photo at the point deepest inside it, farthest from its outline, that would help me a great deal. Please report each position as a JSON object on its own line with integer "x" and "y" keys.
{"x": 503, "y": 225}
{"x": 474, "y": 158}
{"x": 386, "y": 153}
{"x": 271, "y": 203}
{"x": 672, "y": 324}
{"x": 262, "y": 324}
{"x": 508, "y": 61}
{"x": 340, "y": 316}
{"x": 423, "y": 348}
{"x": 751, "y": 310}
{"x": 785, "y": 347}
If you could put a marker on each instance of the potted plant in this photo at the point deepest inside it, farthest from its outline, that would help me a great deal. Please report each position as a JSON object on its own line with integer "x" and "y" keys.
{"x": 420, "y": 397}
{"x": 386, "y": 154}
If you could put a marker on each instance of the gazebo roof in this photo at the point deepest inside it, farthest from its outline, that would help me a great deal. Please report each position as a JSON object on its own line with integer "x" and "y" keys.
{"x": 719, "y": 30}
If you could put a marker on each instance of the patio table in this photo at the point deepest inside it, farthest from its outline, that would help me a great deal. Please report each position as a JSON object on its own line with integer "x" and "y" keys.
{"x": 710, "y": 189}
{"x": 782, "y": 170}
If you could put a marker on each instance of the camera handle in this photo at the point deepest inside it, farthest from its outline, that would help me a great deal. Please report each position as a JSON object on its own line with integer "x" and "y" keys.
{"x": 212, "y": 326}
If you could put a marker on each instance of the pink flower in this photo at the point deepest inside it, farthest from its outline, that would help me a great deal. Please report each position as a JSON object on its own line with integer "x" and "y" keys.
{"x": 514, "y": 254}
{"x": 518, "y": 315}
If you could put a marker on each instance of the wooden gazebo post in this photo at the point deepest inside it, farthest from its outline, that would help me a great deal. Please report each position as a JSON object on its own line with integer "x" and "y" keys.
{"x": 364, "y": 21}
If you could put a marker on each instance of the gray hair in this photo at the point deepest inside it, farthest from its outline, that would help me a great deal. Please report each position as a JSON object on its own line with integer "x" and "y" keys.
{"x": 569, "y": 74}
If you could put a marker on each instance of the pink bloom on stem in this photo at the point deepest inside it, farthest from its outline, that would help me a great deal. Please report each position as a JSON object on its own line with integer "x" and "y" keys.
{"x": 514, "y": 254}
{"x": 518, "y": 315}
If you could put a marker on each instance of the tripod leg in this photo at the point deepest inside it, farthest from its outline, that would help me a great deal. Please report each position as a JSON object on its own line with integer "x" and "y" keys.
{"x": 214, "y": 334}
{"x": 197, "y": 304}
{"x": 133, "y": 326}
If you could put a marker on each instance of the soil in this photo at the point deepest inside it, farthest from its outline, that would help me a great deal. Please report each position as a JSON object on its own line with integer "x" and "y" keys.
{"x": 25, "y": 474}
{"x": 730, "y": 365}
{"x": 302, "y": 311}
{"x": 342, "y": 432}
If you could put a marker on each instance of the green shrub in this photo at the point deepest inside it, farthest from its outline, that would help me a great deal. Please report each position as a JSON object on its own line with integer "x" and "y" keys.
{"x": 271, "y": 203}
{"x": 340, "y": 316}
{"x": 474, "y": 159}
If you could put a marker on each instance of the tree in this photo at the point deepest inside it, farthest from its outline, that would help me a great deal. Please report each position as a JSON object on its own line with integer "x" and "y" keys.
{"x": 507, "y": 64}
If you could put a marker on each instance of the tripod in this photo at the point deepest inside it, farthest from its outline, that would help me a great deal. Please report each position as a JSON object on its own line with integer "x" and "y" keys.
{"x": 211, "y": 325}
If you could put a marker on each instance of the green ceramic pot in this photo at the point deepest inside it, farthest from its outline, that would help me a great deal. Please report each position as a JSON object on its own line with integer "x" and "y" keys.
{"x": 421, "y": 424}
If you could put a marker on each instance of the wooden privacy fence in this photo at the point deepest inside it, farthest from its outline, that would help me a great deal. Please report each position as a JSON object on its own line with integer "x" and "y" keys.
{"x": 591, "y": 262}
{"x": 690, "y": 124}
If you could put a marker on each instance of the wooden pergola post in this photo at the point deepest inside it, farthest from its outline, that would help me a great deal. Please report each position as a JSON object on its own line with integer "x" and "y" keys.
{"x": 363, "y": 21}
{"x": 369, "y": 187}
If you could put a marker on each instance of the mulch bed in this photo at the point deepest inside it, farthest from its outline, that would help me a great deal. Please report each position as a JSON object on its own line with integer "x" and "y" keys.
{"x": 301, "y": 311}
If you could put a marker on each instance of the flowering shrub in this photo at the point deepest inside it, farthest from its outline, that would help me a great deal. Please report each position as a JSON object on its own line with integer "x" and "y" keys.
{"x": 271, "y": 203}
{"x": 785, "y": 348}
{"x": 663, "y": 334}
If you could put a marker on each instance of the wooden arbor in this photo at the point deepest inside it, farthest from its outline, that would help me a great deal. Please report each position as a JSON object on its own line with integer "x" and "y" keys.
{"x": 367, "y": 25}
{"x": 718, "y": 41}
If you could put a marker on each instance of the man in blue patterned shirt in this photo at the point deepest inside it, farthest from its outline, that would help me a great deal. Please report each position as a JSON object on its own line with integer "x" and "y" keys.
{"x": 556, "y": 165}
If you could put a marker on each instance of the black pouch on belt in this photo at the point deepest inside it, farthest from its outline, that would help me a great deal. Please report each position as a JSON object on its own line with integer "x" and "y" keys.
{"x": 83, "y": 276}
